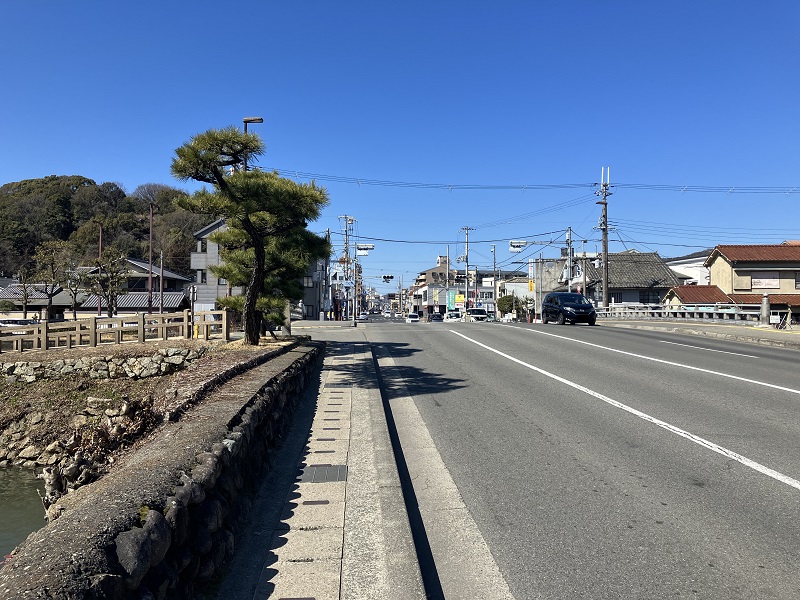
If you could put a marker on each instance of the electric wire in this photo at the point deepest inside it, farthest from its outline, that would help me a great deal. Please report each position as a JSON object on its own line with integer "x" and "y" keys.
{"x": 729, "y": 189}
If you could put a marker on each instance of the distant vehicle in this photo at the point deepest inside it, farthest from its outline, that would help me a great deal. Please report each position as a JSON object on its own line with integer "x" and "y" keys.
{"x": 453, "y": 315}
{"x": 387, "y": 314}
{"x": 477, "y": 314}
{"x": 412, "y": 318}
{"x": 363, "y": 317}
{"x": 436, "y": 318}
{"x": 568, "y": 306}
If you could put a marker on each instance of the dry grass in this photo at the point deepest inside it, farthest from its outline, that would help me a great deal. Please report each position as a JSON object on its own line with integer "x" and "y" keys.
{"x": 59, "y": 400}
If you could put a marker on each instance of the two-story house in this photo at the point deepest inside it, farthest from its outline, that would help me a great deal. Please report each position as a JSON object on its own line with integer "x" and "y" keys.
{"x": 208, "y": 286}
{"x": 743, "y": 274}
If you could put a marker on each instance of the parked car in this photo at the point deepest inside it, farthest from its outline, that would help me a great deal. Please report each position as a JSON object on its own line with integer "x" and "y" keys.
{"x": 436, "y": 318}
{"x": 563, "y": 307}
{"x": 477, "y": 314}
{"x": 412, "y": 318}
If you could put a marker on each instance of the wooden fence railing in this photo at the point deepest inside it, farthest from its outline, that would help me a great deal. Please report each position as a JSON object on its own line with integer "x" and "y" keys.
{"x": 94, "y": 331}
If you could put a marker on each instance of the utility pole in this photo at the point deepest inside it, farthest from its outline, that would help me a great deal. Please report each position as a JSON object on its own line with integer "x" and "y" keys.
{"x": 466, "y": 230}
{"x": 569, "y": 259}
{"x": 447, "y": 281}
{"x": 583, "y": 267}
{"x": 348, "y": 225}
{"x": 495, "y": 287}
{"x": 605, "y": 179}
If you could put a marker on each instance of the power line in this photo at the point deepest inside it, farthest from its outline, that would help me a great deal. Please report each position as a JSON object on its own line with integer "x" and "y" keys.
{"x": 707, "y": 189}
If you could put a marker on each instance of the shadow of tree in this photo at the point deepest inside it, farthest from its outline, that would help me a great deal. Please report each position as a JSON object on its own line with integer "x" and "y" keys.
{"x": 400, "y": 380}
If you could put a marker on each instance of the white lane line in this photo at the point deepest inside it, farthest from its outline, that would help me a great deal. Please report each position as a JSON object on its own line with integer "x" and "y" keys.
{"x": 663, "y": 424}
{"x": 665, "y": 362}
{"x": 708, "y": 349}
{"x": 466, "y": 569}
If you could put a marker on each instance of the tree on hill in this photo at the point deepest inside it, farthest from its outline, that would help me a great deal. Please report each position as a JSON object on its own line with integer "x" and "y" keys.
{"x": 109, "y": 278}
{"x": 51, "y": 261}
{"x": 264, "y": 212}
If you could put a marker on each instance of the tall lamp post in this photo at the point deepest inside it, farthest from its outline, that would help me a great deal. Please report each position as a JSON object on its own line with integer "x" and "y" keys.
{"x": 247, "y": 120}
{"x": 150, "y": 269}
{"x": 99, "y": 270}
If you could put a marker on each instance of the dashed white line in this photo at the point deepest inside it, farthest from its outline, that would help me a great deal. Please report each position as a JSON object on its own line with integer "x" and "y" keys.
{"x": 707, "y": 349}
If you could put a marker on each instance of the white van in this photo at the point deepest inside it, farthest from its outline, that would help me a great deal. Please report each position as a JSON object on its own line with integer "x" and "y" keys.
{"x": 452, "y": 315}
{"x": 477, "y": 314}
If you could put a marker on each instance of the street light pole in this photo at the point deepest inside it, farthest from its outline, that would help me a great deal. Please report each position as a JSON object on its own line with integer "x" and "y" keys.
{"x": 100, "y": 271}
{"x": 247, "y": 120}
{"x": 150, "y": 269}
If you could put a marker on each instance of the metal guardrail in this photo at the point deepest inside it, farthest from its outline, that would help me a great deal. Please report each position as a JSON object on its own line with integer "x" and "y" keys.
{"x": 94, "y": 331}
{"x": 722, "y": 312}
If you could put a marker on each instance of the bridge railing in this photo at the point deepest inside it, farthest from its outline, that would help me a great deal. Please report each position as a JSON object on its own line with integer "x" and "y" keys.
{"x": 742, "y": 313}
{"x": 94, "y": 331}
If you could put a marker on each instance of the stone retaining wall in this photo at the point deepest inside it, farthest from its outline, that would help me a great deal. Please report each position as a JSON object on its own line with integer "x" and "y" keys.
{"x": 162, "y": 362}
{"x": 166, "y": 520}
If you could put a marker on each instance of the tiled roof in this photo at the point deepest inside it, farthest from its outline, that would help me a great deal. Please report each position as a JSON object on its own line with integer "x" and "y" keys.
{"x": 789, "y": 299}
{"x": 145, "y": 266}
{"x": 757, "y": 253}
{"x": 635, "y": 270}
{"x": 711, "y": 294}
{"x": 138, "y": 300}
{"x": 700, "y": 294}
{"x": 15, "y": 290}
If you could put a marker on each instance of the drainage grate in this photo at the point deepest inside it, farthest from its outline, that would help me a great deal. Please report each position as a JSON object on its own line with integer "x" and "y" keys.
{"x": 338, "y": 385}
{"x": 323, "y": 473}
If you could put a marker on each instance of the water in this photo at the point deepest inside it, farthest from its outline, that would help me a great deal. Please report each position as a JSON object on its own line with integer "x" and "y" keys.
{"x": 21, "y": 511}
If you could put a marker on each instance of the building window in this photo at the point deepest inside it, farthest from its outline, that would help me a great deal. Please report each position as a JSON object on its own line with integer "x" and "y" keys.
{"x": 308, "y": 281}
{"x": 203, "y": 245}
{"x": 309, "y": 310}
{"x": 201, "y": 276}
{"x": 797, "y": 280}
{"x": 649, "y": 297}
{"x": 222, "y": 281}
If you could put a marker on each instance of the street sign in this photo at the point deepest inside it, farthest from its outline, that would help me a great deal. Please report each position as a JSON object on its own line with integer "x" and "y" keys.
{"x": 516, "y": 245}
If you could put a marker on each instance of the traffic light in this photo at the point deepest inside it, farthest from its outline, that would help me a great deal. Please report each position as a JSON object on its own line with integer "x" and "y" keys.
{"x": 387, "y": 278}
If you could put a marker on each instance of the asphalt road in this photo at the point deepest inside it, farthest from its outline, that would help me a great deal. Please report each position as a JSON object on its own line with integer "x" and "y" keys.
{"x": 597, "y": 462}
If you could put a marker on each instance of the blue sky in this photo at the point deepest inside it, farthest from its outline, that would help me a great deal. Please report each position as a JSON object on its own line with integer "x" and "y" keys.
{"x": 495, "y": 95}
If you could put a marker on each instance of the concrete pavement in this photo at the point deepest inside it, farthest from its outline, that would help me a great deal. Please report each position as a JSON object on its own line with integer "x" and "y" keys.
{"x": 342, "y": 531}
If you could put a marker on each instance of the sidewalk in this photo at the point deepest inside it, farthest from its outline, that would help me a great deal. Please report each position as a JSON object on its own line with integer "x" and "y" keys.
{"x": 343, "y": 532}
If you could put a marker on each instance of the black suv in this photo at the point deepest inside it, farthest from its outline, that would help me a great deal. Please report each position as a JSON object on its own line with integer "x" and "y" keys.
{"x": 568, "y": 306}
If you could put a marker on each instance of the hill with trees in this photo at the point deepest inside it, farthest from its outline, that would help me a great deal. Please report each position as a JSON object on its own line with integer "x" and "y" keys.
{"x": 78, "y": 211}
